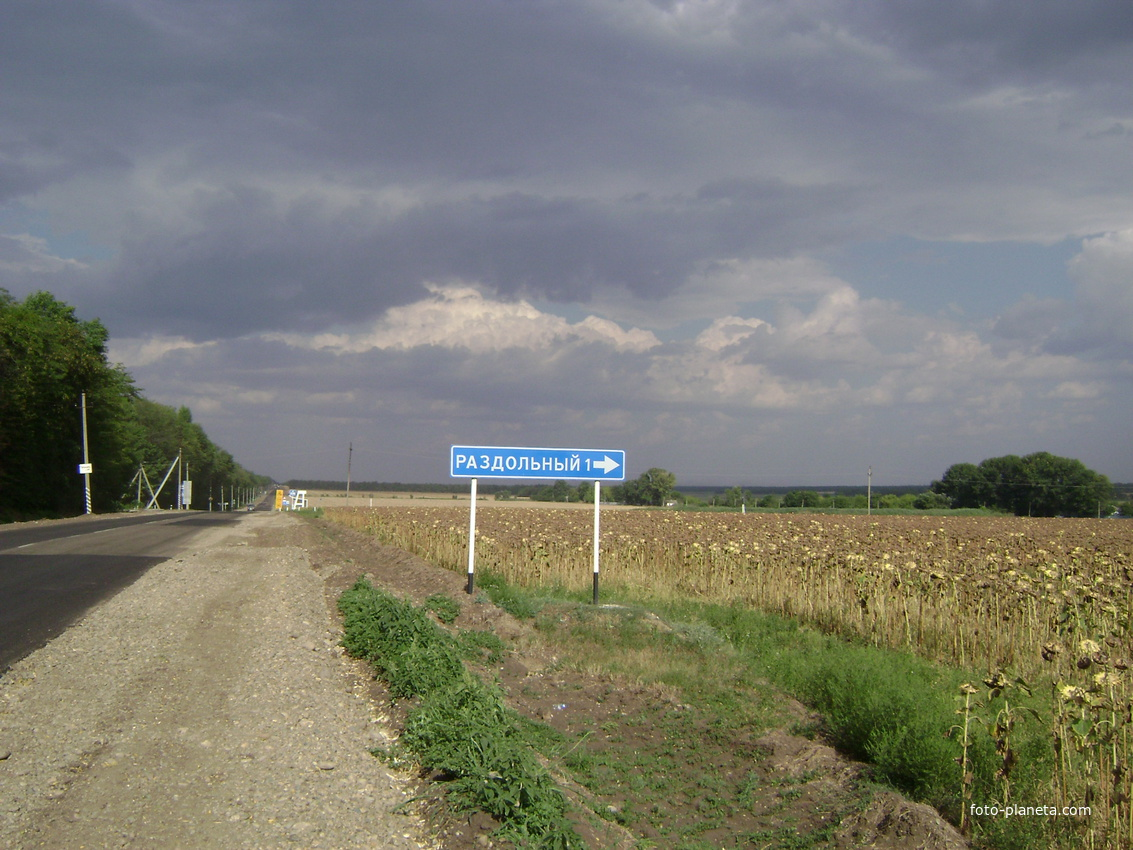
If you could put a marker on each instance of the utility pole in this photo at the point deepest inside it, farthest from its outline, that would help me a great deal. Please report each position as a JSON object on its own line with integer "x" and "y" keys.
{"x": 86, "y": 467}
{"x": 349, "y": 458}
{"x": 869, "y": 492}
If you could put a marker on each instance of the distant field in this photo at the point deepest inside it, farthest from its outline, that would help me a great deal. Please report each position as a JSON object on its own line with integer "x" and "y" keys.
{"x": 379, "y": 499}
{"x": 367, "y": 498}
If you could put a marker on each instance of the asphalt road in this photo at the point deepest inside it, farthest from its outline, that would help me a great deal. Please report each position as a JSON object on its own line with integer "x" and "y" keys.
{"x": 51, "y": 573}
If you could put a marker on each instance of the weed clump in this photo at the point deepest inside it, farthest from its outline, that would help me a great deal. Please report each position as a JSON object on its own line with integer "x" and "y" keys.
{"x": 469, "y": 735}
{"x": 460, "y": 726}
{"x": 401, "y": 643}
{"x": 446, "y": 608}
{"x": 882, "y": 708}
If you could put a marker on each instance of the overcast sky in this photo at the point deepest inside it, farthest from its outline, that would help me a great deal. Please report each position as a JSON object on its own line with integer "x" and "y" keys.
{"x": 750, "y": 242}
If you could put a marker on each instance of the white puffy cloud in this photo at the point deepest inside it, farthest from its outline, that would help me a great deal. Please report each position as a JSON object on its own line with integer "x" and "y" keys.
{"x": 459, "y": 316}
{"x": 1103, "y": 272}
{"x": 728, "y": 331}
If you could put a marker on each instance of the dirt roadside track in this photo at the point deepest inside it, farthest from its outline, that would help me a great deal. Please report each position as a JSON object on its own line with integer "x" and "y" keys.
{"x": 208, "y": 705}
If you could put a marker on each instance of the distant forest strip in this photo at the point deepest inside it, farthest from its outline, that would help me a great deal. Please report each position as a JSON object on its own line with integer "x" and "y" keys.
{"x": 1067, "y": 488}
{"x": 701, "y": 491}
{"x": 386, "y": 486}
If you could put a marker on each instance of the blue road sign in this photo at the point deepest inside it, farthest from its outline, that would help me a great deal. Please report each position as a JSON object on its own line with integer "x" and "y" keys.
{"x": 517, "y": 462}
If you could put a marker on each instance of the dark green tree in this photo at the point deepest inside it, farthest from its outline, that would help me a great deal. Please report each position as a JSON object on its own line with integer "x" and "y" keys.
{"x": 964, "y": 485}
{"x": 897, "y": 501}
{"x": 929, "y": 500}
{"x": 736, "y": 497}
{"x": 1039, "y": 484}
{"x": 650, "y": 488}
{"x": 803, "y": 499}
{"x": 169, "y": 432}
{"x": 48, "y": 360}
{"x": 1008, "y": 479}
{"x": 1065, "y": 486}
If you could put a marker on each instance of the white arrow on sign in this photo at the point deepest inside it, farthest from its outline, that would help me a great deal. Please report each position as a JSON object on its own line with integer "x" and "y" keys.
{"x": 607, "y": 464}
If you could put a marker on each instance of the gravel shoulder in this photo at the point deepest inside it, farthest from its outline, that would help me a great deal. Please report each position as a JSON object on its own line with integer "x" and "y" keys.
{"x": 207, "y": 705}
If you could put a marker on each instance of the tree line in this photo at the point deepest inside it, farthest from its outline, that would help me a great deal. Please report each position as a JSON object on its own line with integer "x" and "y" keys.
{"x": 737, "y": 497}
{"x": 50, "y": 359}
{"x": 654, "y": 487}
{"x": 1039, "y": 484}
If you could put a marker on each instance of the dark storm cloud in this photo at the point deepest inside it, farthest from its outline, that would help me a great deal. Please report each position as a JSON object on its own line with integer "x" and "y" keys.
{"x": 302, "y": 266}
{"x": 296, "y": 267}
{"x": 86, "y": 85}
{"x": 229, "y": 185}
{"x": 305, "y": 267}
{"x": 508, "y": 126}
{"x": 232, "y": 95}
{"x": 1007, "y": 38}
{"x": 506, "y": 384}
{"x": 509, "y": 87}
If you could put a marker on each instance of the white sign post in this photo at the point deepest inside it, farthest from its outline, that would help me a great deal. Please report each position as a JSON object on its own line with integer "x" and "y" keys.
{"x": 525, "y": 462}
{"x": 86, "y": 467}
{"x": 597, "y": 502}
{"x": 472, "y": 539}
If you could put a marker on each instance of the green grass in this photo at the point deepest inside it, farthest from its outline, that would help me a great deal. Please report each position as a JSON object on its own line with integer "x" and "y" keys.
{"x": 446, "y": 608}
{"x": 891, "y": 710}
{"x": 512, "y": 599}
{"x": 682, "y": 778}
